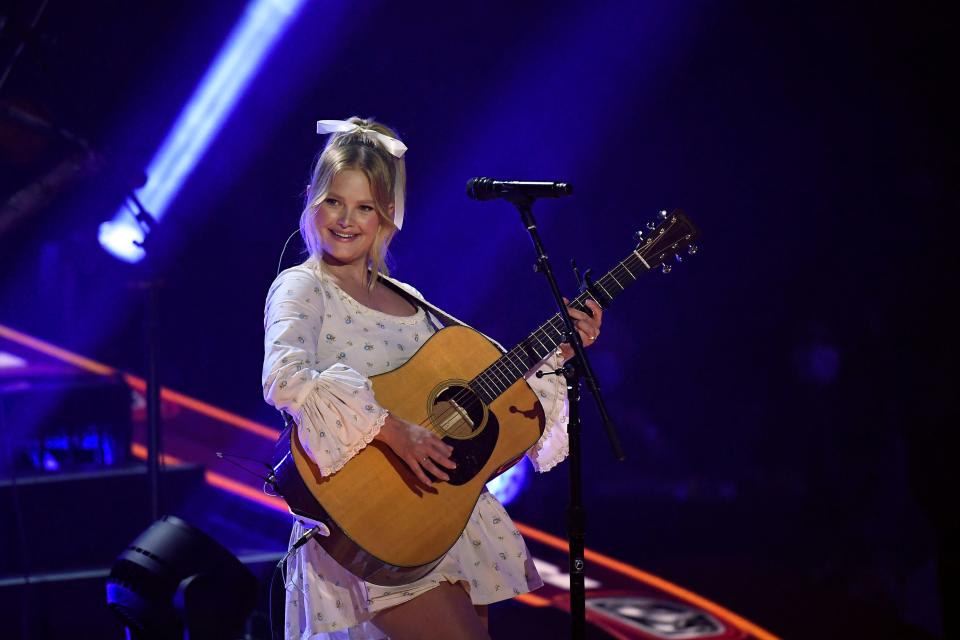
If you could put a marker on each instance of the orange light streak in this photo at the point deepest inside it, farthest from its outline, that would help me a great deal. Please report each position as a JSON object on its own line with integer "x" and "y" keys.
{"x": 51, "y": 350}
{"x": 531, "y": 600}
{"x": 245, "y": 491}
{"x": 202, "y": 407}
{"x": 139, "y": 384}
{"x": 649, "y": 578}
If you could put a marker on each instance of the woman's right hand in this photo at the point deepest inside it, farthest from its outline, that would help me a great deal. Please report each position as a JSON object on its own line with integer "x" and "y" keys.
{"x": 418, "y": 447}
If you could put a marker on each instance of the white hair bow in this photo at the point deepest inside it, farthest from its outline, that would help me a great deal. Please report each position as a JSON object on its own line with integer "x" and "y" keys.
{"x": 392, "y": 145}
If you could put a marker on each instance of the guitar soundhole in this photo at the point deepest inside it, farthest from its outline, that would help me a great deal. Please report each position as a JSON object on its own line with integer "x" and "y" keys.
{"x": 458, "y": 413}
{"x": 465, "y": 423}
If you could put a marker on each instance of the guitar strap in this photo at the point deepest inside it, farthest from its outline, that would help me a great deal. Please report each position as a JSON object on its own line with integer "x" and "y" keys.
{"x": 418, "y": 301}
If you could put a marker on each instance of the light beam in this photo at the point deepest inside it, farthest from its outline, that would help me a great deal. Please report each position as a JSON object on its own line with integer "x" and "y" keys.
{"x": 237, "y": 63}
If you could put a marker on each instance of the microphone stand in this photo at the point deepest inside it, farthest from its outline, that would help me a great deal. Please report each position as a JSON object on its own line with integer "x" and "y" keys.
{"x": 578, "y": 367}
{"x": 151, "y": 287}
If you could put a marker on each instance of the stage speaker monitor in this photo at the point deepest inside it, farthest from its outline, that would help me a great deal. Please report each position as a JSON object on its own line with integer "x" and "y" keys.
{"x": 174, "y": 581}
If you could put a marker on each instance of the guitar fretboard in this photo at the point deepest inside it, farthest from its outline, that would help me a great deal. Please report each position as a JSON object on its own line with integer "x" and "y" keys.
{"x": 517, "y": 362}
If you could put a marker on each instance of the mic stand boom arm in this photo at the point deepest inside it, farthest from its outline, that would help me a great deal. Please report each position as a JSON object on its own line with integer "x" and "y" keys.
{"x": 573, "y": 371}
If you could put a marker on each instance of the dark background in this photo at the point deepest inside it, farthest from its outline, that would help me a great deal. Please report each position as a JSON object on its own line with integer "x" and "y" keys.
{"x": 785, "y": 397}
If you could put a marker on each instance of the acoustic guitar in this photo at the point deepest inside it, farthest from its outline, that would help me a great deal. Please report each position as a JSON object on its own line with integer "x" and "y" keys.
{"x": 387, "y": 527}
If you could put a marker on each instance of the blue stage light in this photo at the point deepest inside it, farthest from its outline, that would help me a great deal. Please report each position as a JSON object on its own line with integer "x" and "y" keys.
{"x": 248, "y": 45}
{"x": 508, "y": 485}
{"x": 121, "y": 236}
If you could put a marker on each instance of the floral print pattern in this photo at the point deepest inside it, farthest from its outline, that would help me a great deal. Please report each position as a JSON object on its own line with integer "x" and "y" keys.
{"x": 337, "y": 415}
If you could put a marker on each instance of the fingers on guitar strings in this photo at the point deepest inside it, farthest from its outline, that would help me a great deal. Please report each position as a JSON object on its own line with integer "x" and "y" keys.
{"x": 440, "y": 452}
{"x": 443, "y": 456}
{"x": 418, "y": 466}
{"x": 434, "y": 470}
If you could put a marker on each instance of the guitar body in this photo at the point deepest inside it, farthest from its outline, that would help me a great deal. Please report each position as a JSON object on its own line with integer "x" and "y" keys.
{"x": 387, "y": 527}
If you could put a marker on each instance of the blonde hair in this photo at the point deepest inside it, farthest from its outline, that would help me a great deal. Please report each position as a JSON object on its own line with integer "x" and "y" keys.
{"x": 385, "y": 173}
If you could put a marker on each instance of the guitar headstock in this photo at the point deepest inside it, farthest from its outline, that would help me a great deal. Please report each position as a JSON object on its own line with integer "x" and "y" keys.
{"x": 667, "y": 240}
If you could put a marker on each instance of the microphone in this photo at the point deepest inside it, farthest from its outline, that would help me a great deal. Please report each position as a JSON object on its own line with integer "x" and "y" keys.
{"x": 320, "y": 529}
{"x": 488, "y": 189}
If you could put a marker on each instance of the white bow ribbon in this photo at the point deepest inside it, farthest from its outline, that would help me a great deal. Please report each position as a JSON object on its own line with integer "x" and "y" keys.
{"x": 392, "y": 145}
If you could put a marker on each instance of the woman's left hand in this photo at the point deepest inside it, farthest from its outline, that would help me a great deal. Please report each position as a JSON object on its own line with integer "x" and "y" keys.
{"x": 587, "y": 326}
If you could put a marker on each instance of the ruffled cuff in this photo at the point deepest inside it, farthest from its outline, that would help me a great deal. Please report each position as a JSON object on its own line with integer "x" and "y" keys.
{"x": 338, "y": 417}
{"x": 554, "y": 445}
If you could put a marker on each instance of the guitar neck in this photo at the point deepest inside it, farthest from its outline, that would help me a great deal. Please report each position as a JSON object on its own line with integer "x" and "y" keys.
{"x": 515, "y": 364}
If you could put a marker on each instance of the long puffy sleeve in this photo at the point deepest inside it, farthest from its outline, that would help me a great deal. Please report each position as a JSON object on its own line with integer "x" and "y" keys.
{"x": 553, "y": 446}
{"x": 332, "y": 404}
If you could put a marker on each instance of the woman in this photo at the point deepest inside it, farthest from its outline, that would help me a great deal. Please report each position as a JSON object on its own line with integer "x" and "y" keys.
{"x": 330, "y": 324}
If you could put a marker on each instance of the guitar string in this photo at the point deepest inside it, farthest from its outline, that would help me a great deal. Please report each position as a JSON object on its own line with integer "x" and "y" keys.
{"x": 468, "y": 399}
{"x": 507, "y": 366}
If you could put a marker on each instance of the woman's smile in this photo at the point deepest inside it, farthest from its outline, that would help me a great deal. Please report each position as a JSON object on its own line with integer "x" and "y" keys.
{"x": 348, "y": 220}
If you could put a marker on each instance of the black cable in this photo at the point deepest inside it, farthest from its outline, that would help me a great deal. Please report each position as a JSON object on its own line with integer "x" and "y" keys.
{"x": 283, "y": 560}
{"x": 284, "y": 250}
{"x": 276, "y": 570}
{"x": 319, "y": 529}
{"x": 267, "y": 480}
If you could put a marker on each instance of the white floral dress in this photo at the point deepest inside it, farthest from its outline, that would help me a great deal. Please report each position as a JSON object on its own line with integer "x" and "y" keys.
{"x": 321, "y": 347}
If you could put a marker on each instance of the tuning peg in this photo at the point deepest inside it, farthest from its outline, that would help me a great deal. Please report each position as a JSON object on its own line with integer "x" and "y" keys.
{"x": 651, "y": 226}
{"x": 679, "y": 257}
{"x": 638, "y": 236}
{"x": 692, "y": 249}
{"x": 663, "y": 214}
{"x": 666, "y": 268}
